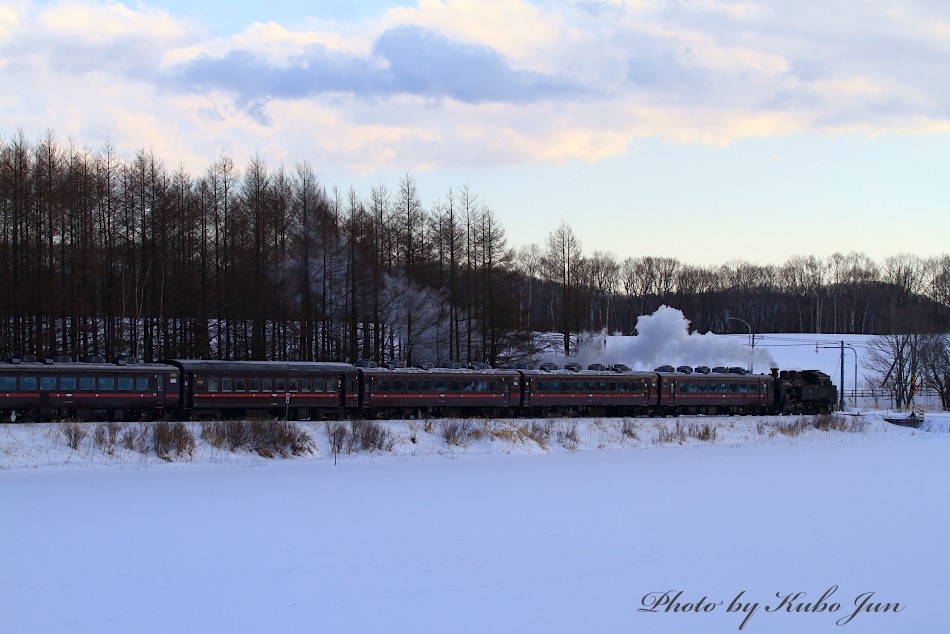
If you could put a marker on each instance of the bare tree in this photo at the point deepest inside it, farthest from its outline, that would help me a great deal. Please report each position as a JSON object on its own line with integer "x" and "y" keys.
{"x": 561, "y": 264}
{"x": 935, "y": 365}
{"x": 936, "y": 271}
{"x": 803, "y": 277}
{"x": 605, "y": 273}
{"x": 896, "y": 361}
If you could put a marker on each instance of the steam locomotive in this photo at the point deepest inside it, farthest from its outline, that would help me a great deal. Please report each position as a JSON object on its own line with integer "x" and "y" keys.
{"x": 59, "y": 388}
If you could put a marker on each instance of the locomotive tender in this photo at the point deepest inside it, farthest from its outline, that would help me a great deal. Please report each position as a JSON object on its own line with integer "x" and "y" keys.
{"x": 91, "y": 389}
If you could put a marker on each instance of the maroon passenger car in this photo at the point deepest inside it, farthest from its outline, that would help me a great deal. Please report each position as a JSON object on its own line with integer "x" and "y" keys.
{"x": 59, "y": 388}
{"x": 389, "y": 393}
{"x": 297, "y": 390}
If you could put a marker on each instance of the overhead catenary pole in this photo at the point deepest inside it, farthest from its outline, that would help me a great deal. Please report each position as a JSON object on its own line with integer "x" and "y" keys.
{"x": 841, "y": 392}
{"x": 841, "y": 347}
{"x": 751, "y": 342}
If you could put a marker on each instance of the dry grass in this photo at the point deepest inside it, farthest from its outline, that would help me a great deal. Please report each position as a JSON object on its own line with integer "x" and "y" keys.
{"x": 567, "y": 435}
{"x": 170, "y": 439}
{"x": 106, "y": 437}
{"x": 704, "y": 432}
{"x": 267, "y": 438}
{"x": 459, "y": 433}
{"x": 629, "y": 429}
{"x": 539, "y": 432}
{"x": 73, "y": 434}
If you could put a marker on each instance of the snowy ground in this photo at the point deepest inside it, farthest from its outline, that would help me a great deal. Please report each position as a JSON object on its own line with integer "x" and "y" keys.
{"x": 580, "y": 532}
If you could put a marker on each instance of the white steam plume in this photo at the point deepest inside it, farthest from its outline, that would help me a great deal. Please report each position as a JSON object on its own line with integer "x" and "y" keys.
{"x": 663, "y": 338}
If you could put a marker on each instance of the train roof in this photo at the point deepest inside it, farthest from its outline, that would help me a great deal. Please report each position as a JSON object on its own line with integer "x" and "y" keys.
{"x": 274, "y": 366}
{"x": 382, "y": 371}
{"x": 589, "y": 373}
{"x": 96, "y": 364}
{"x": 714, "y": 375}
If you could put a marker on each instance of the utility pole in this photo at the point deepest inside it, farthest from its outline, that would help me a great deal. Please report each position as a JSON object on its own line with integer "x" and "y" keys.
{"x": 751, "y": 341}
{"x": 841, "y": 390}
{"x": 841, "y": 393}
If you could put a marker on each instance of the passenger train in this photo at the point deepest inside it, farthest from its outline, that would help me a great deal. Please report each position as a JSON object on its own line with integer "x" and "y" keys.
{"x": 59, "y": 388}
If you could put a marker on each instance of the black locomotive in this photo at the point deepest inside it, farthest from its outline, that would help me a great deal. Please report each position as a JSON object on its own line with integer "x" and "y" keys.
{"x": 91, "y": 389}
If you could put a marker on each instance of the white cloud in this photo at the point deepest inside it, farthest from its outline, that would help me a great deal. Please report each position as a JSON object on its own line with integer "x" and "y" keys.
{"x": 705, "y": 72}
{"x": 100, "y": 24}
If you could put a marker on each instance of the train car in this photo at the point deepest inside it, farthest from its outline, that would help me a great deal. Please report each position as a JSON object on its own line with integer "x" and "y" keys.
{"x": 729, "y": 391}
{"x": 260, "y": 389}
{"x": 59, "y": 388}
{"x": 804, "y": 392}
{"x": 615, "y": 391}
{"x": 396, "y": 392}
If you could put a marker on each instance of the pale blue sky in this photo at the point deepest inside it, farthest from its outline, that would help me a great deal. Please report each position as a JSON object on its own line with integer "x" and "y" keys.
{"x": 705, "y": 130}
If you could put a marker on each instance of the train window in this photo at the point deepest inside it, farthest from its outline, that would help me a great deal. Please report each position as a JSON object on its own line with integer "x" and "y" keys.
{"x": 87, "y": 383}
{"x": 213, "y": 385}
{"x": 722, "y": 387}
{"x": 279, "y": 385}
{"x": 267, "y": 385}
{"x": 240, "y": 385}
{"x": 412, "y": 386}
{"x": 704, "y": 387}
{"x": 602, "y": 386}
{"x": 684, "y": 387}
{"x": 427, "y": 386}
{"x": 27, "y": 382}
{"x": 734, "y": 387}
{"x": 440, "y": 386}
{"x": 493, "y": 386}
{"x": 67, "y": 383}
{"x": 125, "y": 383}
{"x": 141, "y": 383}
{"x": 7, "y": 382}
{"x": 455, "y": 386}
{"x": 47, "y": 382}
{"x": 292, "y": 385}
{"x": 481, "y": 386}
{"x": 567, "y": 387}
{"x": 253, "y": 385}
{"x": 226, "y": 385}
{"x": 542, "y": 386}
{"x": 304, "y": 385}
{"x": 106, "y": 383}
{"x": 318, "y": 385}
{"x": 743, "y": 387}
{"x": 397, "y": 386}
{"x": 385, "y": 386}
{"x": 693, "y": 388}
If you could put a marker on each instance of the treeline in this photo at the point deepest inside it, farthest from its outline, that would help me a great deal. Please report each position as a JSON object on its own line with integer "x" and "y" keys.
{"x": 109, "y": 255}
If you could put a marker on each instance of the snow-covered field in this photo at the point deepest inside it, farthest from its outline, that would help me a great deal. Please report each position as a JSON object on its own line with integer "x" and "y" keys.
{"x": 573, "y": 525}
{"x": 582, "y": 531}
